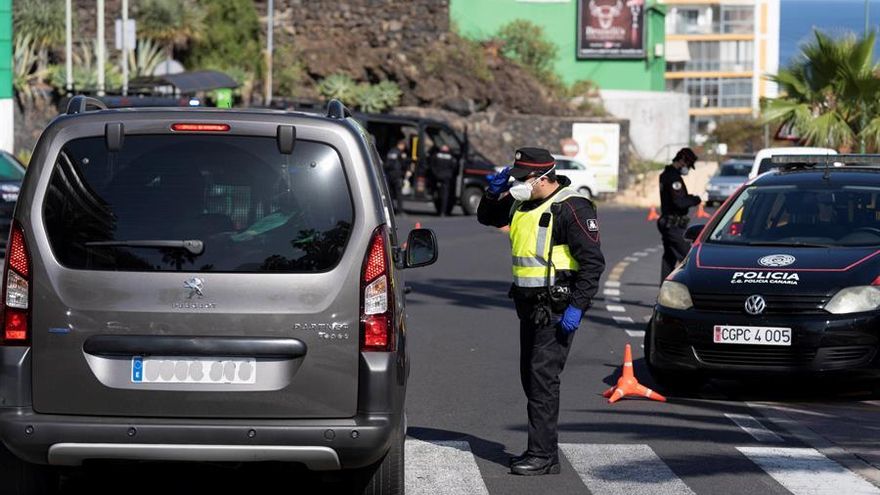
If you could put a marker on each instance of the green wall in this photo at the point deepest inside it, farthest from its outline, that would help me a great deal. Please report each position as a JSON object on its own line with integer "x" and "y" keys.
{"x": 480, "y": 19}
{"x": 5, "y": 48}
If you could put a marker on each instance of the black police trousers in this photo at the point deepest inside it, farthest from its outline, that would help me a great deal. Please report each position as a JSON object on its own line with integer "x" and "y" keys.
{"x": 445, "y": 196}
{"x": 543, "y": 352}
{"x": 675, "y": 247}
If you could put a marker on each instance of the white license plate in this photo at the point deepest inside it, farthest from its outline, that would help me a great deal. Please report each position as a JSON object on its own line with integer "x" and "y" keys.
{"x": 156, "y": 369}
{"x": 734, "y": 334}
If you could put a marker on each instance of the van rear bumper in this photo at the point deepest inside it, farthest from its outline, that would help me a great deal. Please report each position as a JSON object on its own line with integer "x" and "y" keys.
{"x": 318, "y": 444}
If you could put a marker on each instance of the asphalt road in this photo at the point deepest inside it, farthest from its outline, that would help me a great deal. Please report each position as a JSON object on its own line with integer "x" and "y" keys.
{"x": 466, "y": 410}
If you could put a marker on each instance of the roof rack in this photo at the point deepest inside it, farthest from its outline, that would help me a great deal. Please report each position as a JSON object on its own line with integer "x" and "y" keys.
{"x": 336, "y": 110}
{"x": 808, "y": 160}
{"x": 81, "y": 104}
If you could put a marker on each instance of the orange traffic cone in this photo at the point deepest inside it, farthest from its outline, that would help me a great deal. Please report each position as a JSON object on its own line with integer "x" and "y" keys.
{"x": 701, "y": 213}
{"x": 628, "y": 385}
{"x": 653, "y": 215}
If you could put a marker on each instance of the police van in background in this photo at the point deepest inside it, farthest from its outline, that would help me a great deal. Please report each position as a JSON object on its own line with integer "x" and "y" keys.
{"x": 423, "y": 137}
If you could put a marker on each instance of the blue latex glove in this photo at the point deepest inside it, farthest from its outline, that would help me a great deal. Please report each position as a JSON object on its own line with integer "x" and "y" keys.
{"x": 571, "y": 319}
{"x": 498, "y": 182}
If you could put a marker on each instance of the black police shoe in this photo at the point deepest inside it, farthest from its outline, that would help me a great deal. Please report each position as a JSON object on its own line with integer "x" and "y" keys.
{"x": 517, "y": 458}
{"x": 535, "y": 466}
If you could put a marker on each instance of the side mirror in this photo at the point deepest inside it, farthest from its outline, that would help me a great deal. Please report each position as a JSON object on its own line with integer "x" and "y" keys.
{"x": 421, "y": 248}
{"x": 693, "y": 232}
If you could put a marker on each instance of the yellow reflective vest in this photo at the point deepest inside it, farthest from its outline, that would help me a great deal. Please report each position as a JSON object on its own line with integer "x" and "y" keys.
{"x": 530, "y": 238}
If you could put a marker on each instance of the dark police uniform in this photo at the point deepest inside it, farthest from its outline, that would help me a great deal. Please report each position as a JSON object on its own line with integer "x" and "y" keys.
{"x": 674, "y": 205}
{"x": 443, "y": 170}
{"x": 396, "y": 164}
{"x": 544, "y": 346}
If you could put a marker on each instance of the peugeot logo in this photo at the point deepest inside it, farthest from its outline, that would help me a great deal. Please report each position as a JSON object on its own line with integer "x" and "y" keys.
{"x": 195, "y": 286}
{"x": 755, "y": 305}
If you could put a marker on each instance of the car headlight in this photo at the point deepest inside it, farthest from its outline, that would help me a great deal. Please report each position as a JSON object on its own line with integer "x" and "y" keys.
{"x": 854, "y": 300}
{"x": 674, "y": 295}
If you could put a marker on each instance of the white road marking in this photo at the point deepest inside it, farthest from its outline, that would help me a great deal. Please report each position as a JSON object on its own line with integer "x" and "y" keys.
{"x": 622, "y": 319}
{"x": 611, "y": 292}
{"x": 615, "y": 299}
{"x": 651, "y": 250}
{"x": 623, "y": 470}
{"x": 636, "y": 333}
{"x": 805, "y": 471}
{"x": 640, "y": 254}
{"x": 754, "y": 428}
{"x": 612, "y": 283}
{"x": 631, "y": 259}
{"x": 442, "y": 468}
{"x": 615, "y": 309}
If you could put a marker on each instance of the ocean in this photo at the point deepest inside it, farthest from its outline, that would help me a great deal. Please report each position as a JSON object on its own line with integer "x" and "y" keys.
{"x": 800, "y": 17}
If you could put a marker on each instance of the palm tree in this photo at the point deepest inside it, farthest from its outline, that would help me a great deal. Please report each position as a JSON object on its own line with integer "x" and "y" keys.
{"x": 831, "y": 95}
{"x": 42, "y": 22}
{"x": 171, "y": 23}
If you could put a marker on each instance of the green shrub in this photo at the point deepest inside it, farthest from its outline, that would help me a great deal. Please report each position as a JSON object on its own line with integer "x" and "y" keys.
{"x": 41, "y": 20}
{"x": 375, "y": 98}
{"x": 232, "y": 37}
{"x": 85, "y": 74}
{"x": 742, "y": 135}
{"x": 524, "y": 43}
{"x": 339, "y": 87}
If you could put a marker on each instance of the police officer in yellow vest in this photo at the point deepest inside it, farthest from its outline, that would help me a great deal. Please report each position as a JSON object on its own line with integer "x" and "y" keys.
{"x": 557, "y": 262}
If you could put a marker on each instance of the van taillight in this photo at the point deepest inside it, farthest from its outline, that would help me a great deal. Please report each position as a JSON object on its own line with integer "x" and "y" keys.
{"x": 16, "y": 289}
{"x": 198, "y": 127}
{"x": 377, "y": 310}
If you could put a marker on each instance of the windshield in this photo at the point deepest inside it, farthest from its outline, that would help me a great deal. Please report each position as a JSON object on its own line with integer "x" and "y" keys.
{"x": 735, "y": 169}
{"x": 198, "y": 203}
{"x": 802, "y": 216}
{"x": 9, "y": 170}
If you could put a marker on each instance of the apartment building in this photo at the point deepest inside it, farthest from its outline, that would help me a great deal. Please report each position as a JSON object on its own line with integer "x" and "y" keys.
{"x": 719, "y": 52}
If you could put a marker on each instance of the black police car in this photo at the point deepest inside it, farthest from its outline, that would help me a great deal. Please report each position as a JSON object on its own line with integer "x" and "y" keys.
{"x": 785, "y": 278}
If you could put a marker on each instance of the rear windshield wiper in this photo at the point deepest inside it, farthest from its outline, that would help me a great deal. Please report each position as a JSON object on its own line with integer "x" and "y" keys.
{"x": 790, "y": 244}
{"x": 194, "y": 246}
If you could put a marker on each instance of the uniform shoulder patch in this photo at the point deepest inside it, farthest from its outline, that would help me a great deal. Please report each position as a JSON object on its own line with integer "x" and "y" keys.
{"x": 676, "y": 185}
{"x": 592, "y": 225}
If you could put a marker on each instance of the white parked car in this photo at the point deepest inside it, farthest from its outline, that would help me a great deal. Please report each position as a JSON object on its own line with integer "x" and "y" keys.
{"x": 583, "y": 180}
{"x": 762, "y": 161}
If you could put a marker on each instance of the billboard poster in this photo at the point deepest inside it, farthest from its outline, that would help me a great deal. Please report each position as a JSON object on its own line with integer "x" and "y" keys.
{"x": 598, "y": 148}
{"x": 611, "y": 29}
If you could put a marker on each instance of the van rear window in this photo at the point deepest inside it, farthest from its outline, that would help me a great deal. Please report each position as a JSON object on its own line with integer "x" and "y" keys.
{"x": 205, "y": 203}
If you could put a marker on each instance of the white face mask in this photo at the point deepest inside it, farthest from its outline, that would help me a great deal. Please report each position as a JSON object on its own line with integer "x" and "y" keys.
{"x": 522, "y": 191}
{"x": 685, "y": 170}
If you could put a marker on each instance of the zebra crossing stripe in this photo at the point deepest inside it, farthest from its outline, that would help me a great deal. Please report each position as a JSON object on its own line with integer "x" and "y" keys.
{"x": 611, "y": 292}
{"x": 623, "y": 470}
{"x": 612, "y": 284}
{"x": 442, "y": 468}
{"x": 620, "y": 320}
{"x": 805, "y": 471}
{"x": 635, "y": 333}
{"x": 611, "y": 308}
{"x": 754, "y": 428}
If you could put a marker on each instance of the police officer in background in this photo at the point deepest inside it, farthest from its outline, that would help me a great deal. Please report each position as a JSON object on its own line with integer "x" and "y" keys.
{"x": 674, "y": 205}
{"x": 396, "y": 165}
{"x": 443, "y": 170}
{"x": 557, "y": 263}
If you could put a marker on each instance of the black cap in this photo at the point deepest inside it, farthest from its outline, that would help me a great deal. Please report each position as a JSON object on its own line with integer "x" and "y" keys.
{"x": 686, "y": 155}
{"x": 528, "y": 161}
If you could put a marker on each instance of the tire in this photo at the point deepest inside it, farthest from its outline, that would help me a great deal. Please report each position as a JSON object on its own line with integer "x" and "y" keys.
{"x": 585, "y": 191}
{"x": 387, "y": 476}
{"x": 18, "y": 477}
{"x": 470, "y": 200}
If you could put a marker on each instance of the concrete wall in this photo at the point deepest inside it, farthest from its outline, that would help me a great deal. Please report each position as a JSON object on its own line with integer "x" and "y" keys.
{"x": 659, "y": 123}
{"x": 481, "y": 19}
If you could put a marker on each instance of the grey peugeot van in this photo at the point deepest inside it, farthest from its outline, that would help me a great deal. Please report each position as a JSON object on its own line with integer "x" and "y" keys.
{"x": 205, "y": 285}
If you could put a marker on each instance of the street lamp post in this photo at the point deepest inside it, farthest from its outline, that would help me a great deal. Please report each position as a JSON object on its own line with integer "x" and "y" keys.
{"x": 68, "y": 47}
{"x": 270, "y": 28}
{"x": 99, "y": 51}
